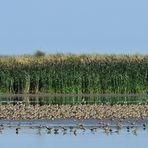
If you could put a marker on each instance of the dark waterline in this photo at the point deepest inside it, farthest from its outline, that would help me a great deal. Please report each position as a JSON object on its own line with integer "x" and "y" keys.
{"x": 69, "y": 99}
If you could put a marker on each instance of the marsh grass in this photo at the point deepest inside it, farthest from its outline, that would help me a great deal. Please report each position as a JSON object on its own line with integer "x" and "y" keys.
{"x": 70, "y": 73}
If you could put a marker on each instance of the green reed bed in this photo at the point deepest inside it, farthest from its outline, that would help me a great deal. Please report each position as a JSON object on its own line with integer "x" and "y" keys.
{"x": 74, "y": 74}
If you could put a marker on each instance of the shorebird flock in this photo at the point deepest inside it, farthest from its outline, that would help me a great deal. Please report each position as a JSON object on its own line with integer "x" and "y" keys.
{"x": 86, "y": 111}
{"x": 106, "y": 126}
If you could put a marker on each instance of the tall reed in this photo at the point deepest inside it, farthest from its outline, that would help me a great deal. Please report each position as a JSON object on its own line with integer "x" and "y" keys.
{"x": 74, "y": 74}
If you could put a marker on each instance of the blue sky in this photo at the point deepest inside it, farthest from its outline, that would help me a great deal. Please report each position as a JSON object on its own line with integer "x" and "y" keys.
{"x": 74, "y": 26}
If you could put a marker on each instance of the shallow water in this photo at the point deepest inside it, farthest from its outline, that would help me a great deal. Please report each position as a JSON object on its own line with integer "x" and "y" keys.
{"x": 38, "y": 138}
{"x": 35, "y": 135}
{"x": 111, "y": 122}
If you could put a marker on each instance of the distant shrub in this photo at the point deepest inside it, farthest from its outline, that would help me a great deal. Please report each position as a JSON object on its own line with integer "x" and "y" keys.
{"x": 39, "y": 53}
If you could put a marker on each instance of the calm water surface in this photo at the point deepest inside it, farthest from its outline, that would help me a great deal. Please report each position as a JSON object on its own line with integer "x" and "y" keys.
{"x": 73, "y": 100}
{"x": 40, "y": 138}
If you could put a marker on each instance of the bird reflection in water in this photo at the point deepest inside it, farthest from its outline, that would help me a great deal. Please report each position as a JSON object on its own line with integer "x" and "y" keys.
{"x": 39, "y": 128}
{"x": 1, "y": 128}
{"x": 56, "y": 131}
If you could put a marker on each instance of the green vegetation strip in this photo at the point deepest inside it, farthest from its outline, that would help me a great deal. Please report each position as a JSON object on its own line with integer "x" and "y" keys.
{"x": 74, "y": 74}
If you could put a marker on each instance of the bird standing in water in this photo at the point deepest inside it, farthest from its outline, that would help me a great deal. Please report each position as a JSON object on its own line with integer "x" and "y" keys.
{"x": 17, "y": 130}
{"x": 1, "y": 128}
